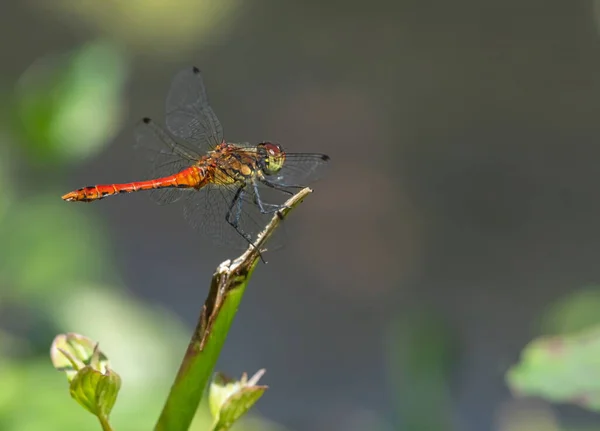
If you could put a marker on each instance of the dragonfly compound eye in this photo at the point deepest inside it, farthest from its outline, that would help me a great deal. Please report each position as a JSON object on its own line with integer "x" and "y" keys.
{"x": 192, "y": 153}
{"x": 273, "y": 157}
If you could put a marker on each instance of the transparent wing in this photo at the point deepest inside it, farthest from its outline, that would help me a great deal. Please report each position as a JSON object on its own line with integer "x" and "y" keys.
{"x": 301, "y": 169}
{"x": 165, "y": 156}
{"x": 206, "y": 210}
{"x": 188, "y": 114}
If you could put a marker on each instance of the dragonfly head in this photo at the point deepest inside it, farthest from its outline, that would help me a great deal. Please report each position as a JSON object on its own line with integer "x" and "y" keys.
{"x": 272, "y": 157}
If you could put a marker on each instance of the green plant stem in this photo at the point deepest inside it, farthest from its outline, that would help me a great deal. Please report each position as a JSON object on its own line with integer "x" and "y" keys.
{"x": 105, "y": 424}
{"x": 226, "y": 291}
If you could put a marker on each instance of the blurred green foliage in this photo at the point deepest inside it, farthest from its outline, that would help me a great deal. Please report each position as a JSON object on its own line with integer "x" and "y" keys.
{"x": 560, "y": 369}
{"x": 420, "y": 359}
{"x": 56, "y": 270}
{"x": 49, "y": 247}
{"x": 6, "y": 195}
{"x": 573, "y": 313}
{"x": 70, "y": 106}
{"x": 163, "y": 27}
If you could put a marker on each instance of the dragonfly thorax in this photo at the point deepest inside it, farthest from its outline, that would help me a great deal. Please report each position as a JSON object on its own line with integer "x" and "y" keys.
{"x": 218, "y": 181}
{"x": 272, "y": 157}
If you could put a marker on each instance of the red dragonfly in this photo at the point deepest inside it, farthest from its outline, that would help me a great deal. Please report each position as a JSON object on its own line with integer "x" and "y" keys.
{"x": 222, "y": 183}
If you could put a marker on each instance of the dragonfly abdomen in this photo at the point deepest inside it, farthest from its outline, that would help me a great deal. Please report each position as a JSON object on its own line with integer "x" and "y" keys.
{"x": 191, "y": 177}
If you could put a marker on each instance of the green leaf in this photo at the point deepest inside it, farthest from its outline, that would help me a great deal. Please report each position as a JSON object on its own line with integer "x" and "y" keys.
{"x": 95, "y": 391}
{"x": 227, "y": 288}
{"x": 220, "y": 389}
{"x": 229, "y": 400}
{"x": 237, "y": 405}
{"x": 92, "y": 383}
{"x": 199, "y": 362}
{"x": 560, "y": 369}
{"x": 72, "y": 352}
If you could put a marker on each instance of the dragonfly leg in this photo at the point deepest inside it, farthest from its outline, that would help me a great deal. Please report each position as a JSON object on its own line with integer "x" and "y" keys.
{"x": 265, "y": 208}
{"x": 281, "y": 187}
{"x": 234, "y": 219}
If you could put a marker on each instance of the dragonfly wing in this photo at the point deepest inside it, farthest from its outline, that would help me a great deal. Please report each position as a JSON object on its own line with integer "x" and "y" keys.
{"x": 166, "y": 158}
{"x": 207, "y": 211}
{"x": 188, "y": 114}
{"x": 300, "y": 169}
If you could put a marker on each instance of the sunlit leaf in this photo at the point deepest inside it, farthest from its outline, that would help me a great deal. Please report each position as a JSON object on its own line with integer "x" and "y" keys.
{"x": 72, "y": 352}
{"x": 95, "y": 391}
{"x": 560, "y": 369}
{"x": 92, "y": 383}
{"x": 229, "y": 400}
{"x": 69, "y": 106}
{"x": 237, "y": 405}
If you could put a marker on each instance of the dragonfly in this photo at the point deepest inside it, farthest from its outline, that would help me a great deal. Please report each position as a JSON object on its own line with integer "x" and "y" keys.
{"x": 222, "y": 184}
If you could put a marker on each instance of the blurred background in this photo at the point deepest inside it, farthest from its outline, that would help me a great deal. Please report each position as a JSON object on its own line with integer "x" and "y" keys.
{"x": 459, "y": 219}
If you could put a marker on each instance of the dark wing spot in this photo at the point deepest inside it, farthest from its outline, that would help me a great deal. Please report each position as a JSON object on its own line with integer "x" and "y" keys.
{"x": 195, "y": 70}
{"x": 325, "y": 157}
{"x": 146, "y": 120}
